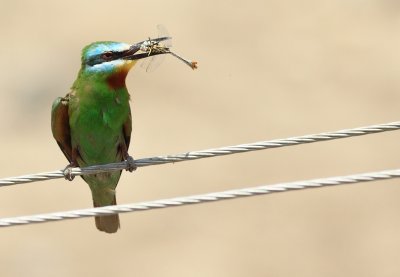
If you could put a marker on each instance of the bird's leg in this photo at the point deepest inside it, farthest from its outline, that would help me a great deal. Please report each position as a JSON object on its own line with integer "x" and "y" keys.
{"x": 131, "y": 165}
{"x": 68, "y": 171}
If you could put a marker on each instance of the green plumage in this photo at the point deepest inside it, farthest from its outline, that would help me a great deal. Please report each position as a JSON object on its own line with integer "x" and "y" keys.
{"x": 92, "y": 123}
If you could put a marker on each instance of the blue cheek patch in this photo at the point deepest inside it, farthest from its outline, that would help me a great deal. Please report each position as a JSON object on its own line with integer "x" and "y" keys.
{"x": 106, "y": 67}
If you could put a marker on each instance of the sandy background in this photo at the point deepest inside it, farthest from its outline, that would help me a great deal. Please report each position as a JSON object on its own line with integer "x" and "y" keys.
{"x": 268, "y": 69}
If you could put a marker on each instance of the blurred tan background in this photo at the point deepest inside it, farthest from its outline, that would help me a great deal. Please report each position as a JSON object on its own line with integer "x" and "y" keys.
{"x": 267, "y": 70}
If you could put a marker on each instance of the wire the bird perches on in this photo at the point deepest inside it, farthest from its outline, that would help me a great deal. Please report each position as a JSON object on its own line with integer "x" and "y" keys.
{"x": 207, "y": 153}
{"x": 202, "y": 198}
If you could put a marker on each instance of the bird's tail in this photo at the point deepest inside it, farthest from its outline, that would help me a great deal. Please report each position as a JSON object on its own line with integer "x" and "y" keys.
{"x": 109, "y": 223}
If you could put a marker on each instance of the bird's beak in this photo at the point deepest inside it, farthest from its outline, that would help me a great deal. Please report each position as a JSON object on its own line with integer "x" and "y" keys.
{"x": 146, "y": 48}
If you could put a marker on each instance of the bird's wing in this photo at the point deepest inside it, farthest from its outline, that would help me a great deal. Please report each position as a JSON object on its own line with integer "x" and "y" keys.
{"x": 60, "y": 125}
{"x": 127, "y": 130}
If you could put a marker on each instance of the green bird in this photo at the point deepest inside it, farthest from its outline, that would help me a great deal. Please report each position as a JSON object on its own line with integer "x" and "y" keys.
{"x": 92, "y": 124}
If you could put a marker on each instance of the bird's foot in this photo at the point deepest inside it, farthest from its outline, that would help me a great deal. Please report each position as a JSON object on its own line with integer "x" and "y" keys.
{"x": 68, "y": 172}
{"x": 131, "y": 165}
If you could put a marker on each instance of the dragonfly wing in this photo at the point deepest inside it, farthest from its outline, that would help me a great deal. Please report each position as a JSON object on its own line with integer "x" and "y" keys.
{"x": 153, "y": 62}
{"x": 163, "y": 32}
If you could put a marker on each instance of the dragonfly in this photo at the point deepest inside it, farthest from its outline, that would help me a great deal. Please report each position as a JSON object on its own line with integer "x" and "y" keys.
{"x": 157, "y": 47}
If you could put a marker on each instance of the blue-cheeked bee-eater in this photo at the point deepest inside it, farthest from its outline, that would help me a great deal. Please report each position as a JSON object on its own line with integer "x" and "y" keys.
{"x": 92, "y": 124}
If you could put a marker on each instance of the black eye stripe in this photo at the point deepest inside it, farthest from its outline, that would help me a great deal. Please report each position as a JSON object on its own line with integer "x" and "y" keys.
{"x": 103, "y": 57}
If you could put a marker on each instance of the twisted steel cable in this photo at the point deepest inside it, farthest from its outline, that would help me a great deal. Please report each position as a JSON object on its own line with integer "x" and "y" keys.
{"x": 201, "y": 198}
{"x": 194, "y": 155}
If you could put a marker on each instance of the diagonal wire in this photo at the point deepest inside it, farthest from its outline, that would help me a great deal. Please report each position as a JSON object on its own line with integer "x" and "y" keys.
{"x": 201, "y": 198}
{"x": 194, "y": 155}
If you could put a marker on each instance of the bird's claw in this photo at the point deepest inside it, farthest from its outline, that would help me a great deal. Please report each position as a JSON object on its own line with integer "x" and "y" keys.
{"x": 131, "y": 165}
{"x": 68, "y": 173}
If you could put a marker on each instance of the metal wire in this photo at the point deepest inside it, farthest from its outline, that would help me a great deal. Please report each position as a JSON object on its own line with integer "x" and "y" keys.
{"x": 202, "y": 198}
{"x": 194, "y": 155}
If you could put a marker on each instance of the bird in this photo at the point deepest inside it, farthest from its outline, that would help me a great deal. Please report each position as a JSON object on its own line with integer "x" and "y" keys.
{"x": 92, "y": 124}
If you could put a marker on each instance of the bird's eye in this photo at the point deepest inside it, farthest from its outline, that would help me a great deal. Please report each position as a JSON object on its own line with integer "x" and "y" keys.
{"x": 107, "y": 55}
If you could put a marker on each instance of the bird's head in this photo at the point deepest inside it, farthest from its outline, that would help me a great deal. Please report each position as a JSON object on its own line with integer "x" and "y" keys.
{"x": 108, "y": 57}
{"x": 112, "y": 60}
